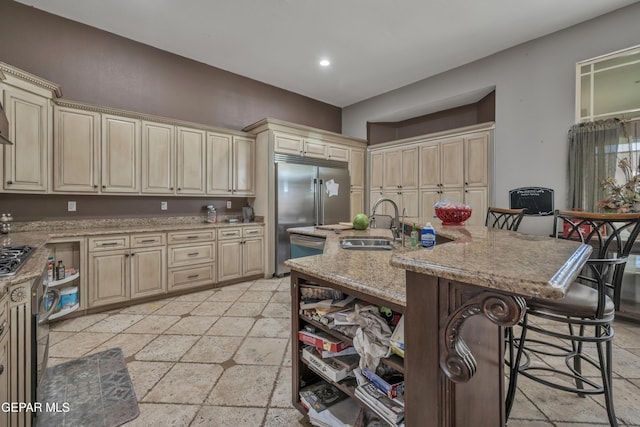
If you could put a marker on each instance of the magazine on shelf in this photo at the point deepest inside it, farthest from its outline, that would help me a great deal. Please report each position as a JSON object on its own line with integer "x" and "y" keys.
{"x": 390, "y": 410}
{"x": 322, "y": 341}
{"x": 321, "y": 395}
{"x": 392, "y": 385}
{"x": 345, "y": 413}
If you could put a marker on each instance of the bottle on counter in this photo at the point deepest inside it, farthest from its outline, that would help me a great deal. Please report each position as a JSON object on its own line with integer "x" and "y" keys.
{"x": 60, "y": 270}
{"x": 414, "y": 236}
{"x": 428, "y": 236}
{"x": 51, "y": 276}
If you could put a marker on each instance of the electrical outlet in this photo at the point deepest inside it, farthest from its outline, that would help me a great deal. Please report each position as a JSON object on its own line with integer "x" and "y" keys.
{"x": 71, "y": 206}
{"x": 228, "y": 204}
{"x": 163, "y": 206}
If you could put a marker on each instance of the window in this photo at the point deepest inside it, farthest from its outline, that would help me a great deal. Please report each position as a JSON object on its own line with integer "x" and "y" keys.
{"x": 609, "y": 86}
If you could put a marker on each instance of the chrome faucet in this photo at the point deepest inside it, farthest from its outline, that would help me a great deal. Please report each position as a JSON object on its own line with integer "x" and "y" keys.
{"x": 394, "y": 225}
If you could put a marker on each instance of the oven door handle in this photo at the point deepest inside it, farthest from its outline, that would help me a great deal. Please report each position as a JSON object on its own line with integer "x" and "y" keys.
{"x": 54, "y": 304}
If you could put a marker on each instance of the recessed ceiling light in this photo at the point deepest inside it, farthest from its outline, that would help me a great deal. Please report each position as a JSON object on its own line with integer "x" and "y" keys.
{"x": 325, "y": 62}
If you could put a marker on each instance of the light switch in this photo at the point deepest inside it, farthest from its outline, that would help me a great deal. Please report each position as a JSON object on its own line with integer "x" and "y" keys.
{"x": 71, "y": 206}
{"x": 228, "y": 204}
{"x": 163, "y": 206}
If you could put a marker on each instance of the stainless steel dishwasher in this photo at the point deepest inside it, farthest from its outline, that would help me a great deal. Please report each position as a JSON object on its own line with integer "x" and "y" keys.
{"x": 303, "y": 245}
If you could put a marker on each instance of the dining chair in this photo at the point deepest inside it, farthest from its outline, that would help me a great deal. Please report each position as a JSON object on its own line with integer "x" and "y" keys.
{"x": 507, "y": 219}
{"x": 577, "y": 328}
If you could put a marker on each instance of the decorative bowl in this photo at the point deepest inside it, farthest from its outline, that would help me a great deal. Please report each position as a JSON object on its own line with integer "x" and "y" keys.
{"x": 453, "y": 216}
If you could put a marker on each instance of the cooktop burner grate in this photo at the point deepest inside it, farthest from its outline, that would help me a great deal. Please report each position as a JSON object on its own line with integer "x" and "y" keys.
{"x": 12, "y": 258}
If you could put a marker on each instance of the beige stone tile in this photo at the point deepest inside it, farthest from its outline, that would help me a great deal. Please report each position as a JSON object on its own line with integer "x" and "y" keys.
{"x": 283, "y": 417}
{"x": 532, "y": 423}
{"x": 146, "y": 308}
{"x": 192, "y": 325}
{"x": 115, "y": 323}
{"x": 195, "y": 296}
{"x": 242, "y": 286}
{"x": 287, "y": 355}
{"x": 283, "y": 297}
{"x": 211, "y": 308}
{"x": 144, "y": 375}
{"x": 169, "y": 348}
{"x": 627, "y": 405}
{"x": 185, "y": 383}
{"x": 255, "y": 296}
{"x": 177, "y": 308}
{"x": 261, "y": 351}
{"x": 153, "y": 324}
{"x": 285, "y": 285}
{"x": 281, "y": 397}
{"x": 152, "y": 414}
{"x": 244, "y": 385}
{"x": 129, "y": 343}
{"x": 523, "y": 408}
{"x": 226, "y": 294}
{"x": 265, "y": 285}
{"x": 232, "y": 326}
{"x": 210, "y": 349}
{"x": 79, "y": 344}
{"x": 209, "y": 416}
{"x": 57, "y": 336}
{"x": 244, "y": 309}
{"x": 77, "y": 323}
{"x": 277, "y": 309}
{"x": 271, "y": 328}
{"x": 625, "y": 363}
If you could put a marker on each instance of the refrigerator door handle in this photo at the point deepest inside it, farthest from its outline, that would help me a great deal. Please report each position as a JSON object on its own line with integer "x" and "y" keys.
{"x": 316, "y": 202}
{"x": 321, "y": 199}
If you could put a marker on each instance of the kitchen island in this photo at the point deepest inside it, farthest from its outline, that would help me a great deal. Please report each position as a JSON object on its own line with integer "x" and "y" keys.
{"x": 456, "y": 298}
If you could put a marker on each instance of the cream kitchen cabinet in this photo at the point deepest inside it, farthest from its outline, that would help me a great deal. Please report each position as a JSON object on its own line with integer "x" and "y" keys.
{"x": 192, "y": 259}
{"x": 394, "y": 175}
{"x": 191, "y": 166}
{"x": 309, "y": 147}
{"x": 240, "y": 252}
{"x": 338, "y": 153}
{"x": 356, "y": 172}
{"x": 122, "y": 267}
{"x": 26, "y": 162}
{"x": 5, "y": 348}
{"x": 158, "y": 158}
{"x": 120, "y": 146}
{"x": 476, "y": 160}
{"x": 231, "y": 165}
{"x": 76, "y": 150}
{"x": 376, "y": 171}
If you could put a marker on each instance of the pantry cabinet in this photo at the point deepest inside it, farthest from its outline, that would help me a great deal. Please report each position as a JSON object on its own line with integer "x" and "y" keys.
{"x": 158, "y": 158}
{"x": 120, "y": 154}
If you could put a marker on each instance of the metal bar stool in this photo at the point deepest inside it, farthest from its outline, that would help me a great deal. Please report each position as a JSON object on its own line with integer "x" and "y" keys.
{"x": 506, "y": 219}
{"x": 582, "y": 318}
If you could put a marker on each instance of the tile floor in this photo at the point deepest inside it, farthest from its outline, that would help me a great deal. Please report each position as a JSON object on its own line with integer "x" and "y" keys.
{"x": 222, "y": 358}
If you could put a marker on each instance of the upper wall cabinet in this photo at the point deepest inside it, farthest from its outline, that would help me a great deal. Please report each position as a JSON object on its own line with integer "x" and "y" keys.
{"x": 158, "y": 158}
{"x": 191, "y": 160}
{"x": 76, "y": 150}
{"x": 231, "y": 163}
{"x": 120, "y": 154}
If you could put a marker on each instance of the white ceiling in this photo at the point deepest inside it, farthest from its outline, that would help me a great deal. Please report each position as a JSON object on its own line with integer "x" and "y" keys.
{"x": 374, "y": 45}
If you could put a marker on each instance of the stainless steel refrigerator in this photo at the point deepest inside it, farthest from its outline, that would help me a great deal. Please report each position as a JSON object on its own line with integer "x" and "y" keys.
{"x": 310, "y": 192}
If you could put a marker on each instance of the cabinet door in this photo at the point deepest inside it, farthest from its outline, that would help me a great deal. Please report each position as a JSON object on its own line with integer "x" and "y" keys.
{"x": 191, "y": 161}
{"x": 451, "y": 165}
{"x": 219, "y": 164}
{"x": 377, "y": 170}
{"x": 120, "y": 154}
{"x": 148, "y": 272}
{"x": 430, "y": 165}
{"x": 288, "y": 144}
{"x": 476, "y": 155}
{"x": 244, "y": 155}
{"x": 478, "y": 199}
{"x": 26, "y": 161}
{"x": 356, "y": 168}
{"x": 229, "y": 260}
{"x": 357, "y": 202}
{"x": 76, "y": 145}
{"x": 392, "y": 170}
{"x": 108, "y": 277}
{"x": 409, "y": 168}
{"x": 428, "y": 198}
{"x": 373, "y": 197}
{"x": 158, "y": 158}
{"x": 338, "y": 152}
{"x": 315, "y": 148}
{"x": 253, "y": 256}
{"x": 409, "y": 203}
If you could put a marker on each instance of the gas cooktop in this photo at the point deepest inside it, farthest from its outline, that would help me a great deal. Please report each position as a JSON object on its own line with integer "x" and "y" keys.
{"x": 12, "y": 258}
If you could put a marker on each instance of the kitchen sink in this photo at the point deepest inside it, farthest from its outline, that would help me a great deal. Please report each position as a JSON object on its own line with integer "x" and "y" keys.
{"x": 367, "y": 243}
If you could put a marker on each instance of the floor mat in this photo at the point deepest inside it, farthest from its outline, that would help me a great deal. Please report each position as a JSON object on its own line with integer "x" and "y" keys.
{"x": 92, "y": 391}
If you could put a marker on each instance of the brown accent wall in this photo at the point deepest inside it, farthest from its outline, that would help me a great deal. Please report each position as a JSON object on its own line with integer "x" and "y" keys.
{"x": 480, "y": 112}
{"x": 101, "y": 68}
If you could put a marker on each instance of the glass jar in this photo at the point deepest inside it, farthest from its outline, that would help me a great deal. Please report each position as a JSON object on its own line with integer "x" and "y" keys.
{"x": 212, "y": 215}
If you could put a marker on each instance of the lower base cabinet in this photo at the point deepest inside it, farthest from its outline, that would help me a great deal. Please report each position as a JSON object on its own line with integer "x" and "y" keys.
{"x": 109, "y": 277}
{"x": 240, "y": 252}
{"x": 192, "y": 259}
{"x": 148, "y": 272}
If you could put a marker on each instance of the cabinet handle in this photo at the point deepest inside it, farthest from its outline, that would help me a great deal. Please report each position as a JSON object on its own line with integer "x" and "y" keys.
{"x": 170, "y": 188}
{"x": 95, "y": 186}
{"x": 251, "y": 231}
{"x": 148, "y": 241}
{"x": 1, "y": 369}
{"x": 229, "y": 190}
{"x": 230, "y": 233}
{"x": 9, "y": 182}
{"x": 193, "y": 276}
{"x": 179, "y": 189}
{"x": 192, "y": 237}
{"x": 193, "y": 254}
{"x": 126, "y": 255}
{"x": 104, "y": 186}
{"x": 132, "y": 254}
{"x": 109, "y": 244}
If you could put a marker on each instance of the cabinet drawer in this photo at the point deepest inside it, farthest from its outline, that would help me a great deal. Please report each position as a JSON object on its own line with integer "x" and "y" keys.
{"x": 145, "y": 240}
{"x": 252, "y": 231}
{"x": 192, "y": 254}
{"x": 191, "y": 236}
{"x": 229, "y": 233}
{"x": 187, "y": 277}
{"x": 108, "y": 243}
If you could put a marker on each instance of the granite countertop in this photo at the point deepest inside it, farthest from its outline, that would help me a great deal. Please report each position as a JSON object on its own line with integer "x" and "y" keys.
{"x": 38, "y": 234}
{"x": 528, "y": 265}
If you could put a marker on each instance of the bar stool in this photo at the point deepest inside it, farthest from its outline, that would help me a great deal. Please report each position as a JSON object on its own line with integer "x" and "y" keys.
{"x": 507, "y": 219}
{"x": 583, "y": 317}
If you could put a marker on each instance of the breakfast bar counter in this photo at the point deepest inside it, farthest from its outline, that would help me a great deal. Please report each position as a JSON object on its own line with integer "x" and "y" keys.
{"x": 457, "y": 298}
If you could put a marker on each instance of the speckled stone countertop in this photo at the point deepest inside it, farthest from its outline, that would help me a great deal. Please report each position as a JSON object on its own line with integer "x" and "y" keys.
{"x": 506, "y": 261}
{"x": 37, "y": 234}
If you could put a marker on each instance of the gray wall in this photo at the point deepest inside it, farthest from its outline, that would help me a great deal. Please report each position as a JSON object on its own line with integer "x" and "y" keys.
{"x": 535, "y": 98}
